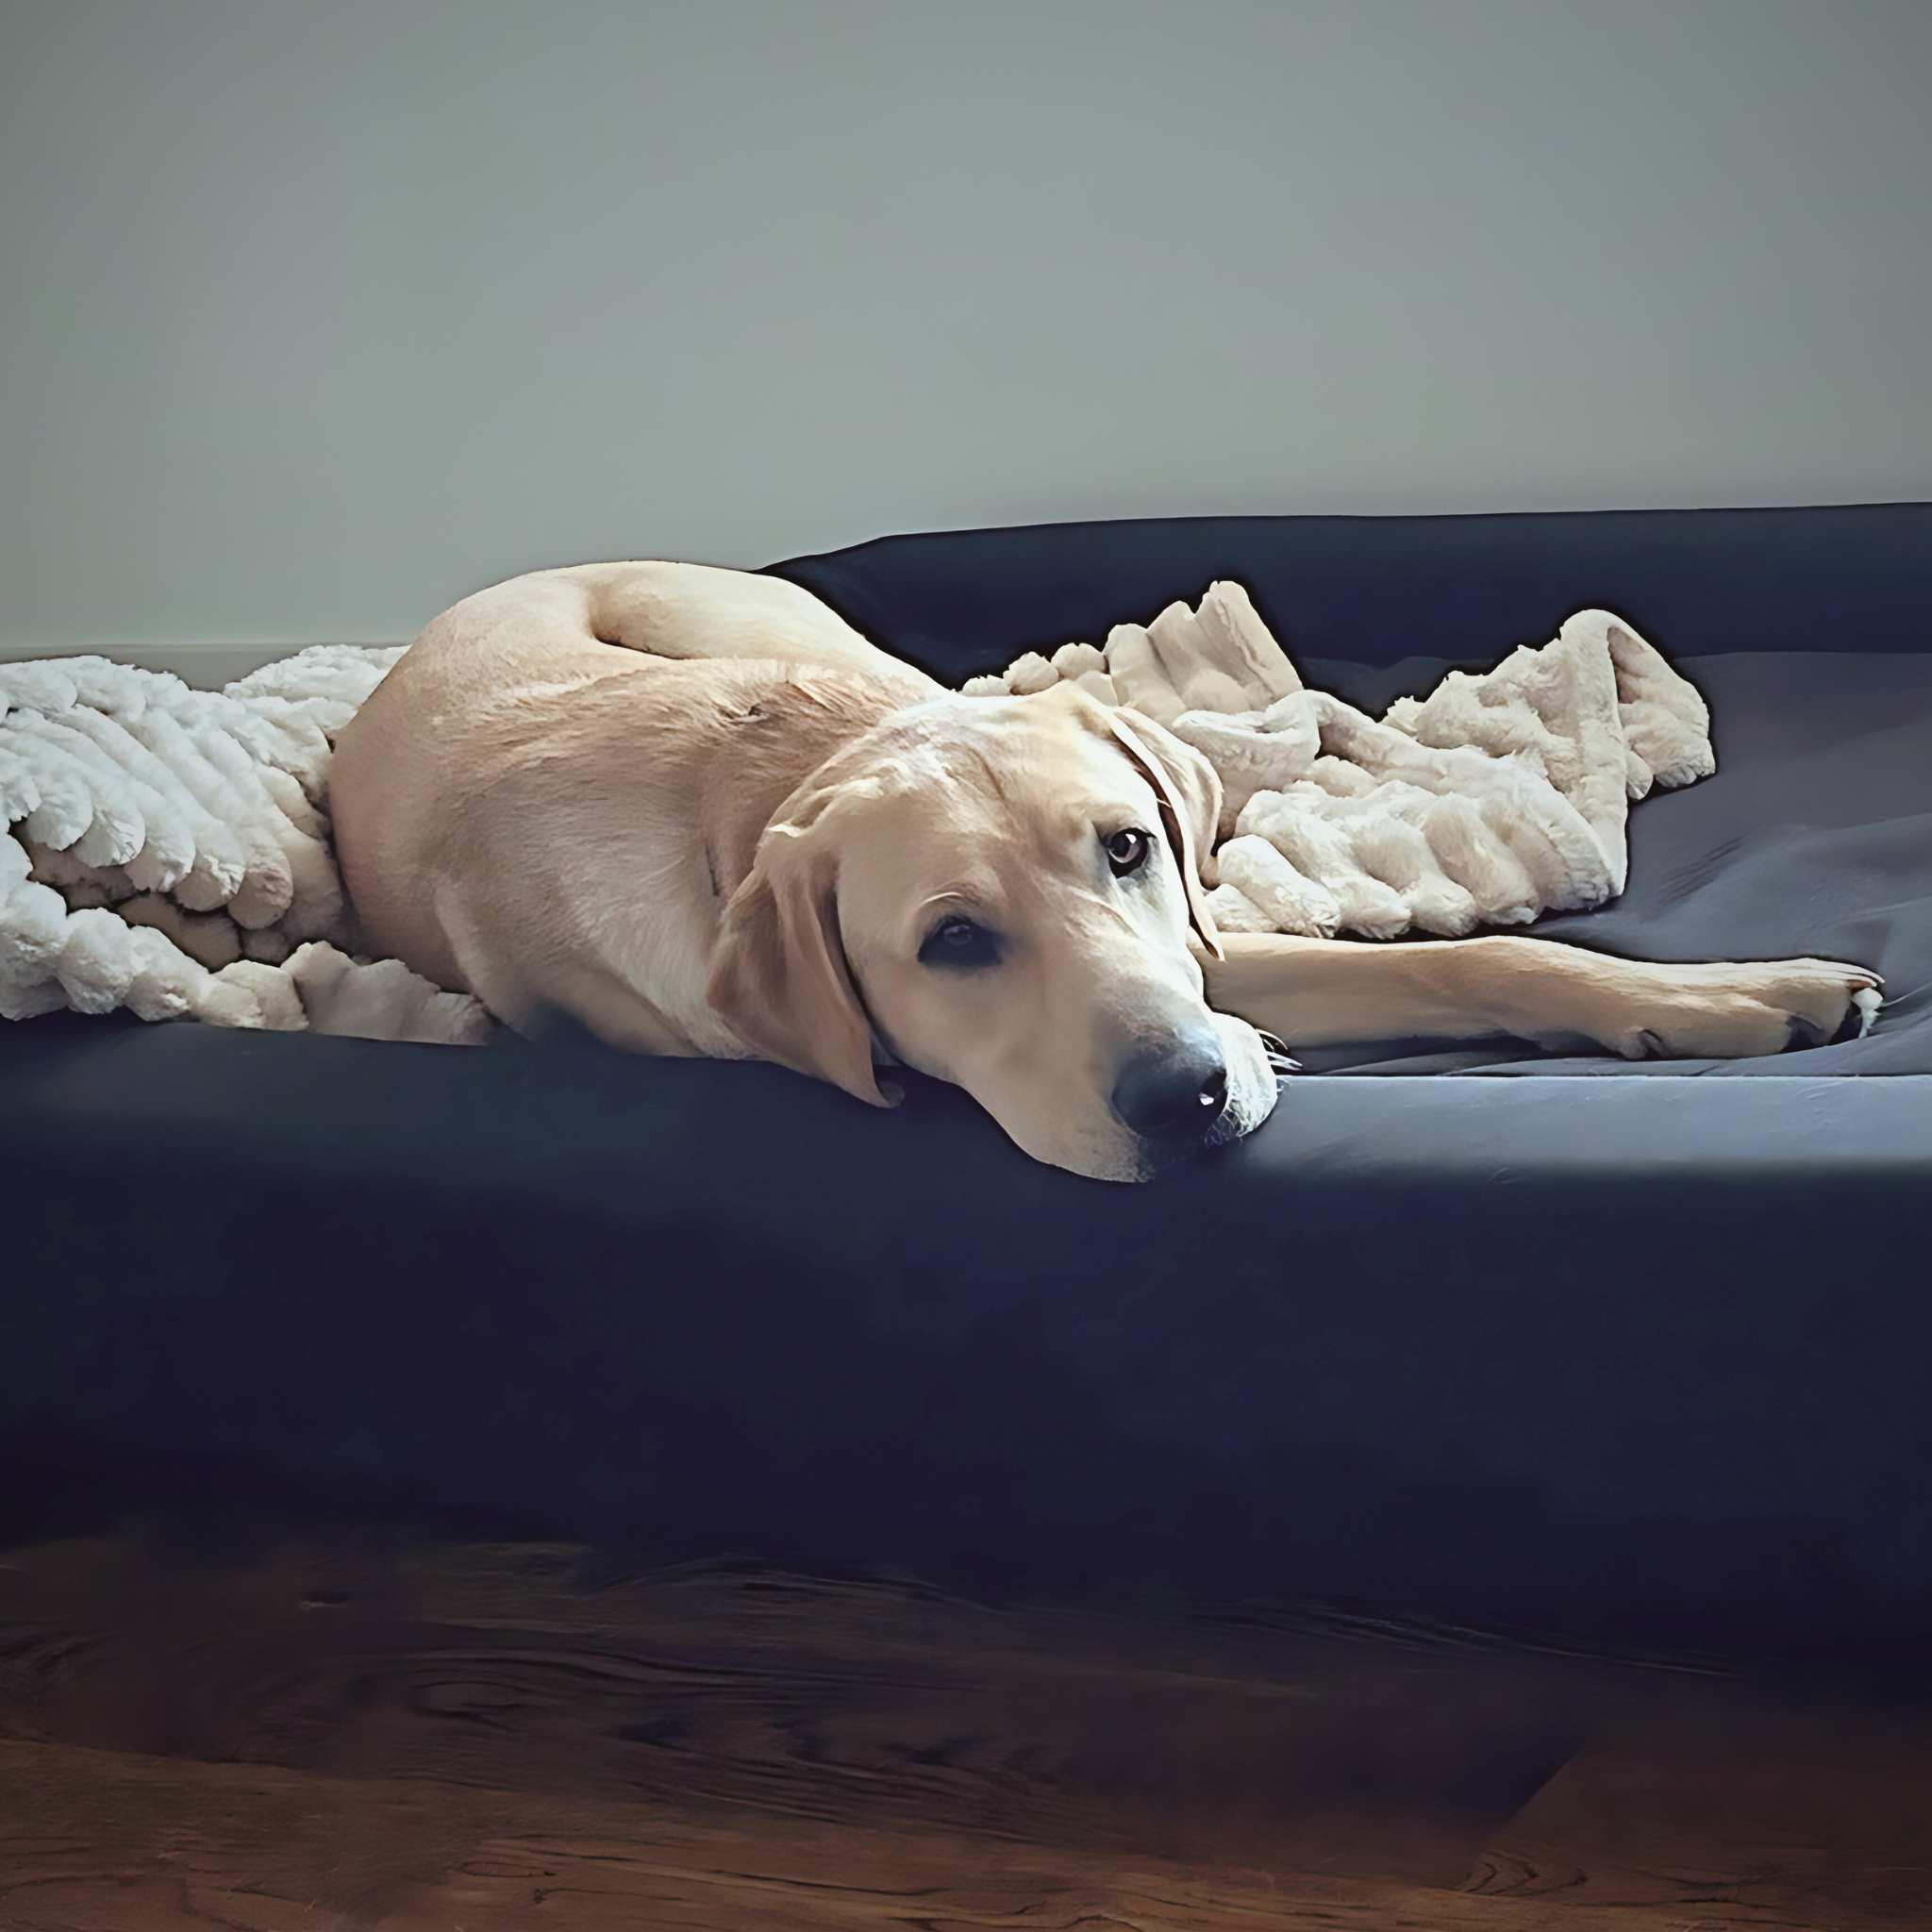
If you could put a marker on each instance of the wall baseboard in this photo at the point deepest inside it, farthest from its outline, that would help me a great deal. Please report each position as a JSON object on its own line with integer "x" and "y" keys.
{"x": 207, "y": 667}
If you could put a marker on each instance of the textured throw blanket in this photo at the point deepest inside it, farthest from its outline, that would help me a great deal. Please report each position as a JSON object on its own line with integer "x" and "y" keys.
{"x": 166, "y": 849}
{"x": 1493, "y": 800}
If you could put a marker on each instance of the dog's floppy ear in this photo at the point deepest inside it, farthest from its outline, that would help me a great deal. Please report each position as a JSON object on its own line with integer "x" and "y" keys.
{"x": 779, "y": 976}
{"x": 1189, "y": 790}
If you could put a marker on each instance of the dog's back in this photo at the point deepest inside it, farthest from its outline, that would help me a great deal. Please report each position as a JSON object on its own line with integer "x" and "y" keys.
{"x": 632, "y": 723}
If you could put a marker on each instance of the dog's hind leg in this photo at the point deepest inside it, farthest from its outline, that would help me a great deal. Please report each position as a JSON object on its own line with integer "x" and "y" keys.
{"x": 695, "y": 611}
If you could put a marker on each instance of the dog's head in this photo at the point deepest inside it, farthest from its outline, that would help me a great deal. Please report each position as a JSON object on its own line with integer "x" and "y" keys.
{"x": 1001, "y": 892}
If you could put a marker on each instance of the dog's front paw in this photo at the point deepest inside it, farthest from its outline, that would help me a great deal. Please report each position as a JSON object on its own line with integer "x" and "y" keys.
{"x": 1742, "y": 1011}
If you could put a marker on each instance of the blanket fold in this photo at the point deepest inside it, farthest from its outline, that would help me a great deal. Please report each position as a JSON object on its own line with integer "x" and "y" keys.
{"x": 167, "y": 851}
{"x": 1494, "y": 799}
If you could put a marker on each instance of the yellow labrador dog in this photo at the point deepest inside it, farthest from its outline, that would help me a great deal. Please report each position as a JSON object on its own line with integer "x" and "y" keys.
{"x": 695, "y": 811}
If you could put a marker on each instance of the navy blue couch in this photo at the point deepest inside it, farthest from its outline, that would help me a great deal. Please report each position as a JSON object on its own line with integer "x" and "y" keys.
{"x": 1637, "y": 1353}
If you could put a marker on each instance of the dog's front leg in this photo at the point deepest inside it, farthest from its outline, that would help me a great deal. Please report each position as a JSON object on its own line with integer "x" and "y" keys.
{"x": 1325, "y": 992}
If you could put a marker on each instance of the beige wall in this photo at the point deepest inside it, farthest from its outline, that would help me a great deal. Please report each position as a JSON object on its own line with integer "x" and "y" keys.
{"x": 314, "y": 316}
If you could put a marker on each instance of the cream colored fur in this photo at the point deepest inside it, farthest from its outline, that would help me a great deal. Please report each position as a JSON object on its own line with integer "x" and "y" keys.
{"x": 696, "y": 812}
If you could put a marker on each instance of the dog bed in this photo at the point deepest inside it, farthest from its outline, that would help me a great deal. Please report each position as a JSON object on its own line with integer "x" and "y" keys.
{"x": 1636, "y": 1349}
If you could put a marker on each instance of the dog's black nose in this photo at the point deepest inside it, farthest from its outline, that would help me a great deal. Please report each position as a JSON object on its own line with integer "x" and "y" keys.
{"x": 1174, "y": 1094}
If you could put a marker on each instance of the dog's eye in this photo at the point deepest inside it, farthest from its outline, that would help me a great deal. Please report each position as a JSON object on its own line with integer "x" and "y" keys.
{"x": 1127, "y": 851}
{"x": 957, "y": 941}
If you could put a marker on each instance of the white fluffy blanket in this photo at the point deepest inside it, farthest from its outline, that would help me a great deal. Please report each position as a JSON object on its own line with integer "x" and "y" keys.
{"x": 167, "y": 849}
{"x": 1494, "y": 799}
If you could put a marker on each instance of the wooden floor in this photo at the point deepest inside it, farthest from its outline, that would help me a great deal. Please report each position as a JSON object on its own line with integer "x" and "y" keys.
{"x": 462, "y": 1739}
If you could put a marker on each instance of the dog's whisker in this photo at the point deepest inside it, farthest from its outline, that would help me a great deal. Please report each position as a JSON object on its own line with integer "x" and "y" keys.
{"x": 1280, "y": 1062}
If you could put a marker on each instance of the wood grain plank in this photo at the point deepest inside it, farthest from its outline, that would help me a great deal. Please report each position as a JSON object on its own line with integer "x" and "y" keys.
{"x": 99, "y": 1841}
{"x": 803, "y": 1698}
{"x": 1806, "y": 1817}
{"x": 349, "y": 1733}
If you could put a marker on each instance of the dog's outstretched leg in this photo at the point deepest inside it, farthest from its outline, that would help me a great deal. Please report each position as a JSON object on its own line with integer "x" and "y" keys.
{"x": 1323, "y": 993}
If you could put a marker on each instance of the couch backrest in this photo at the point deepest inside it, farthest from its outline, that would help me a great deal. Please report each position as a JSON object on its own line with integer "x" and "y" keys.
{"x": 1377, "y": 590}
